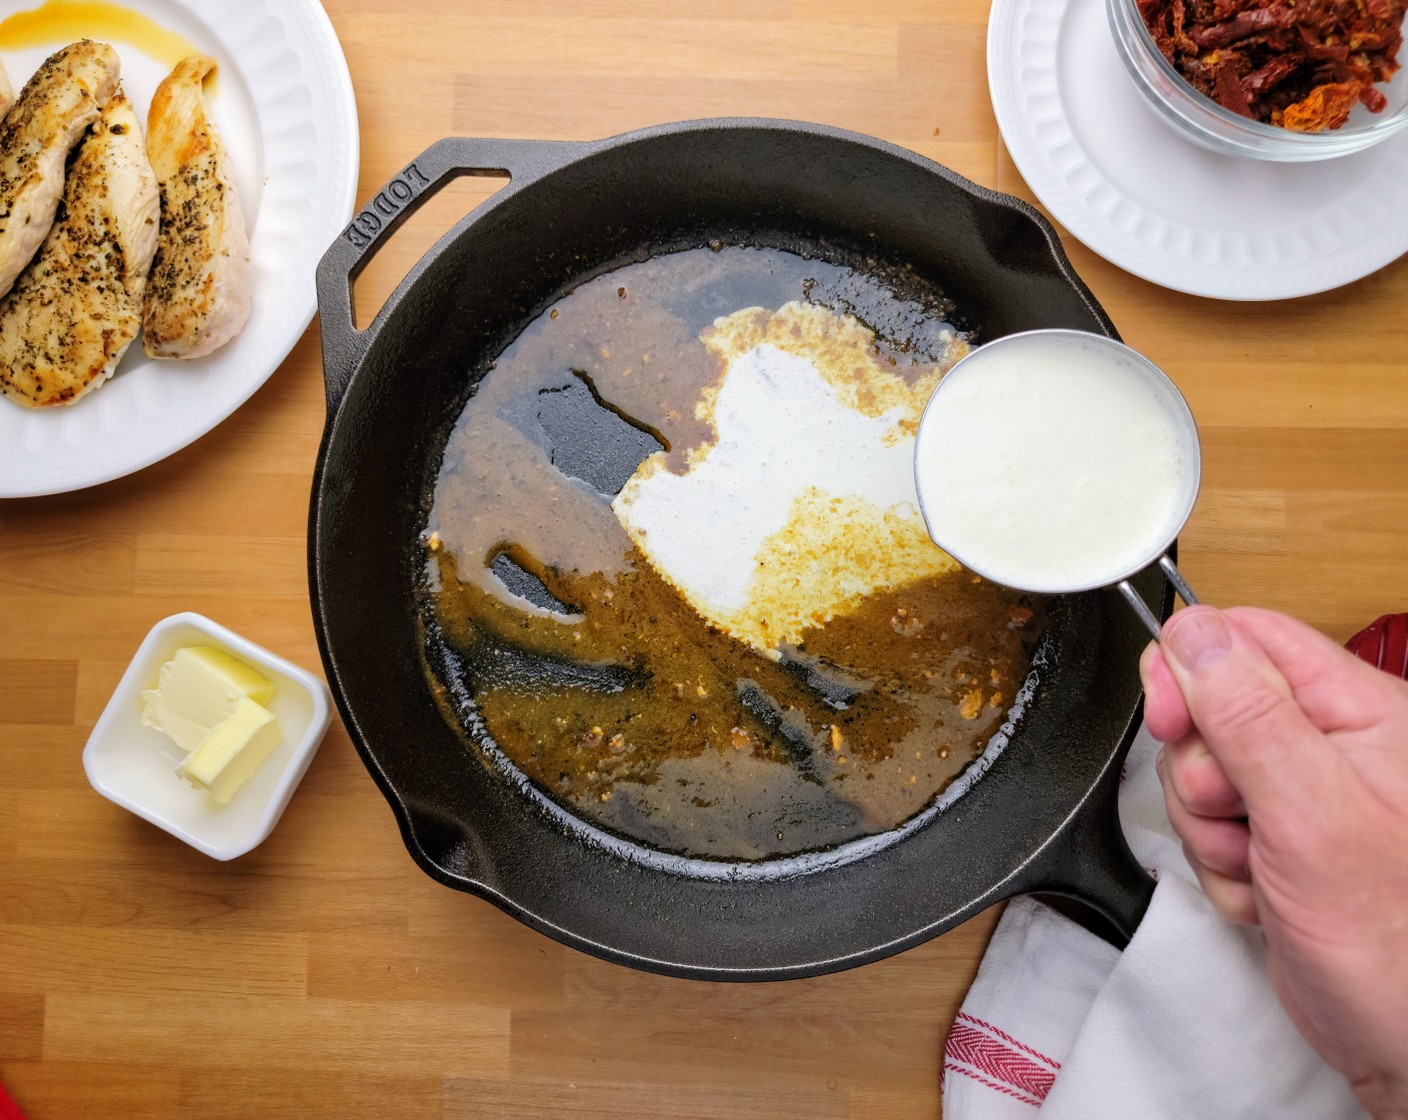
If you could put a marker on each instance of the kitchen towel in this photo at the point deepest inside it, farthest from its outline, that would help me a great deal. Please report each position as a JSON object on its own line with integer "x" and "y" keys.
{"x": 1184, "y": 1023}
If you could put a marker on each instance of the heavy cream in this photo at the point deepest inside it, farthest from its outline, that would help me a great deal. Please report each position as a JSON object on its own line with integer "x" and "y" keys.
{"x": 1056, "y": 462}
{"x": 803, "y": 504}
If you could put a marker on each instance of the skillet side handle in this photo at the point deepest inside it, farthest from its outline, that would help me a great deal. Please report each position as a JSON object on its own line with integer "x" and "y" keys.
{"x": 1089, "y": 862}
{"x": 521, "y": 160}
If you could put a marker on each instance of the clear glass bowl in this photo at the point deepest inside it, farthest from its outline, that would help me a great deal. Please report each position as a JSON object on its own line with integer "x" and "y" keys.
{"x": 1205, "y": 122}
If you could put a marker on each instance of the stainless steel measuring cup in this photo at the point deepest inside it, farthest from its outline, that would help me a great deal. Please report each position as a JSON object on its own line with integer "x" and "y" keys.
{"x": 1029, "y": 345}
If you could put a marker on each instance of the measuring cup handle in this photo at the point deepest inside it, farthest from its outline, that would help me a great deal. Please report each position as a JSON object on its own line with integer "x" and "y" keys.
{"x": 1175, "y": 577}
{"x": 1141, "y": 608}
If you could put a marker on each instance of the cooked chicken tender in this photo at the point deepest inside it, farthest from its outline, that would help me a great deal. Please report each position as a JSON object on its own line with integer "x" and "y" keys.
{"x": 55, "y": 108}
{"x": 199, "y": 294}
{"x": 73, "y": 312}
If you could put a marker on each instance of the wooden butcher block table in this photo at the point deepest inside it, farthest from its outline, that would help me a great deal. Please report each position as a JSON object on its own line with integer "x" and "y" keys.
{"x": 323, "y": 974}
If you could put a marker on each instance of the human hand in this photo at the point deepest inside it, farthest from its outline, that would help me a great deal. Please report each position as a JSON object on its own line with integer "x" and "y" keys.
{"x": 1285, "y": 773}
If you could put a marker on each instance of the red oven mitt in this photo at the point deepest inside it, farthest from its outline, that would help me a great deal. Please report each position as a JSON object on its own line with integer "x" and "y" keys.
{"x": 1384, "y": 643}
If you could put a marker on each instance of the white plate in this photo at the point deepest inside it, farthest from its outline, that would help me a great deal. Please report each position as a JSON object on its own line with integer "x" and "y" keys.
{"x": 1137, "y": 193}
{"x": 285, "y": 108}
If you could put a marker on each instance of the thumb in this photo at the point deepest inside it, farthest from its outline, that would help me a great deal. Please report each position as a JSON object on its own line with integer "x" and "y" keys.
{"x": 1243, "y": 708}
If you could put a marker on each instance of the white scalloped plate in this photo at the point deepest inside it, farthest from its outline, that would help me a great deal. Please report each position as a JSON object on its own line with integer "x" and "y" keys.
{"x": 285, "y": 108}
{"x": 1129, "y": 187}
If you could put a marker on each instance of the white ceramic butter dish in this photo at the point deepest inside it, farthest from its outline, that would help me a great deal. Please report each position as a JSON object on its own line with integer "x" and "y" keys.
{"x": 135, "y": 766}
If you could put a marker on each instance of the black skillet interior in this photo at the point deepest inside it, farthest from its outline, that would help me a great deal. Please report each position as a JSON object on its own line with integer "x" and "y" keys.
{"x": 1041, "y": 817}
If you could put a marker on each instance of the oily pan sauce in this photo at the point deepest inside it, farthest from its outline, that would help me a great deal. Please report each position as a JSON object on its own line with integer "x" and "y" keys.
{"x": 592, "y": 672}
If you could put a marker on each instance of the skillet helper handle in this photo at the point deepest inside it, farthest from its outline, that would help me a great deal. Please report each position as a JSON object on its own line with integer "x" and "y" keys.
{"x": 521, "y": 160}
{"x": 1089, "y": 862}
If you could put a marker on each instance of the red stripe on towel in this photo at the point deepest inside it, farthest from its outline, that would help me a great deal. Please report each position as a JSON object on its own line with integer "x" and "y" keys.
{"x": 992, "y": 1084}
{"x": 1008, "y": 1038}
{"x": 999, "y": 1061}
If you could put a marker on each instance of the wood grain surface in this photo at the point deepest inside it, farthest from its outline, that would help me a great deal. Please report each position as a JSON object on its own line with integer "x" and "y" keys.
{"x": 323, "y": 975}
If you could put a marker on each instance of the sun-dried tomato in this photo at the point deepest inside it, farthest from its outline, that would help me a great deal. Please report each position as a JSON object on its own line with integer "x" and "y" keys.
{"x": 1324, "y": 107}
{"x": 1300, "y": 64}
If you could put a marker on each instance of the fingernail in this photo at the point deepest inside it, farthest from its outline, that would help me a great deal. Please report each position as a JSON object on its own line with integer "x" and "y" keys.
{"x": 1197, "y": 638}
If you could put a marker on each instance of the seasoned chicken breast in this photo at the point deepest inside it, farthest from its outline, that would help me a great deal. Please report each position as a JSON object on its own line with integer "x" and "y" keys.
{"x": 199, "y": 294}
{"x": 73, "y": 312}
{"x": 54, "y": 109}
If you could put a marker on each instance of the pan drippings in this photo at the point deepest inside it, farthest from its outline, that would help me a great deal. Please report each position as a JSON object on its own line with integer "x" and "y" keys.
{"x": 586, "y": 661}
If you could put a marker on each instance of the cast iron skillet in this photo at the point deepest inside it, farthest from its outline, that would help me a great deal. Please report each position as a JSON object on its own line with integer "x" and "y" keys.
{"x": 1042, "y": 818}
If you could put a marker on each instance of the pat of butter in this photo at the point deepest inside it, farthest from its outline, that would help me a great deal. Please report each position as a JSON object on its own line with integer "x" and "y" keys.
{"x": 233, "y": 751}
{"x": 198, "y": 690}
